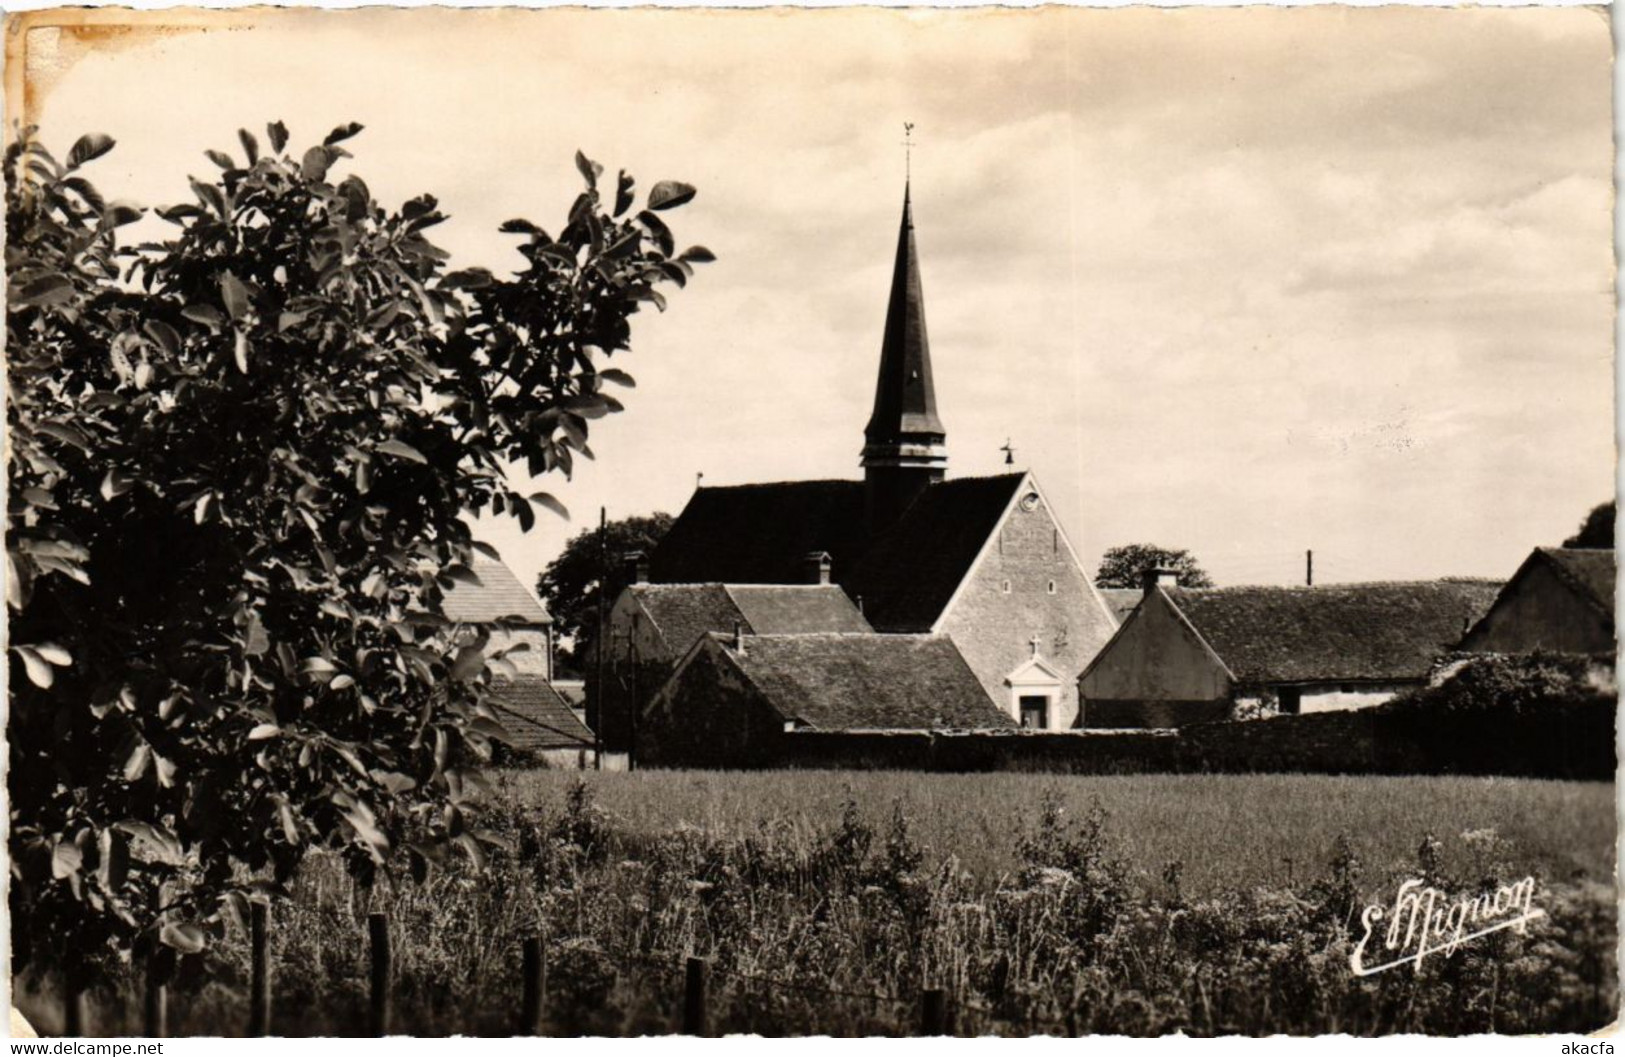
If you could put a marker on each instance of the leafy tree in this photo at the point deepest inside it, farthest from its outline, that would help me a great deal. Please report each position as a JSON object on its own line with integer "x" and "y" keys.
{"x": 239, "y": 464}
{"x": 1597, "y": 530}
{"x": 569, "y": 585}
{"x": 1124, "y": 566}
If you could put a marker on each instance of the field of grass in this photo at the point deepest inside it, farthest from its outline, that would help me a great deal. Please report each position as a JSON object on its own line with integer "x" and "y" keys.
{"x": 825, "y": 902}
{"x": 1229, "y": 831}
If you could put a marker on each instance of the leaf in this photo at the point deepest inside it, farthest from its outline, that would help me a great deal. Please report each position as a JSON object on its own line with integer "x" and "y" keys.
{"x": 623, "y": 193}
{"x": 264, "y": 731}
{"x": 669, "y": 194}
{"x": 221, "y": 159}
{"x": 401, "y": 450}
{"x": 66, "y": 858}
{"x": 251, "y": 146}
{"x": 342, "y": 133}
{"x": 618, "y": 376}
{"x": 284, "y": 815}
{"x": 697, "y": 254}
{"x": 469, "y": 663}
{"x": 550, "y": 503}
{"x": 590, "y": 170}
{"x": 234, "y": 294}
{"x": 239, "y": 350}
{"x": 166, "y": 771}
{"x": 115, "y": 484}
{"x": 54, "y": 654}
{"x": 207, "y": 315}
{"x": 341, "y": 682}
{"x": 166, "y": 337}
{"x": 184, "y": 937}
{"x": 519, "y": 226}
{"x": 39, "y": 672}
{"x": 115, "y": 860}
{"x": 491, "y": 729}
{"x": 394, "y": 781}
{"x": 135, "y": 765}
{"x": 47, "y": 289}
{"x": 317, "y": 666}
{"x": 279, "y": 135}
{"x": 661, "y": 233}
{"x": 348, "y": 755}
{"x": 314, "y": 166}
{"x": 84, "y": 189}
{"x": 88, "y": 148}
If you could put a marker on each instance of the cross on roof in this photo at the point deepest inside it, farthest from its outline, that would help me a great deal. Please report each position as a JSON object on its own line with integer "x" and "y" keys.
{"x": 1034, "y": 641}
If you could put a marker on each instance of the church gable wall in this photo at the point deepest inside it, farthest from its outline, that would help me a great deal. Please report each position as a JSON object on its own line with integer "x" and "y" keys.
{"x": 1028, "y": 584}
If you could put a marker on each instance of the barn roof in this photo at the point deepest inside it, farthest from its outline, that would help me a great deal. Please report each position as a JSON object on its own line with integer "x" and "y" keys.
{"x": 1589, "y": 573}
{"x": 868, "y": 682}
{"x": 499, "y": 595}
{"x": 762, "y": 533}
{"x": 1334, "y": 633}
{"x": 536, "y": 717}
{"x": 684, "y": 612}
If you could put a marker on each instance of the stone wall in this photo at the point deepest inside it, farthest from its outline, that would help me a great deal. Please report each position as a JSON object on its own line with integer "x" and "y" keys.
{"x": 1048, "y": 597}
{"x": 1575, "y": 743}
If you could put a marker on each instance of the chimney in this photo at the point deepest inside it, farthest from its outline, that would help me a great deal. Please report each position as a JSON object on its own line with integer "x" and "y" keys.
{"x": 815, "y": 568}
{"x": 1152, "y": 579}
{"x": 636, "y": 566}
{"x": 739, "y": 637}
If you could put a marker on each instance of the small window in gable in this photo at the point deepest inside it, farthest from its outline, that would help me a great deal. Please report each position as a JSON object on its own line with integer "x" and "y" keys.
{"x": 1006, "y": 587}
{"x": 1052, "y": 587}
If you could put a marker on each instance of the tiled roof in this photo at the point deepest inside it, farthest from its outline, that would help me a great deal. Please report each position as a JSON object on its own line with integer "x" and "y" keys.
{"x": 784, "y": 610}
{"x": 1334, "y": 633}
{"x": 869, "y": 682}
{"x": 498, "y": 595}
{"x": 684, "y": 612}
{"x": 1590, "y": 573}
{"x": 907, "y": 577}
{"x": 761, "y": 534}
{"x": 536, "y": 717}
{"x": 1121, "y": 600}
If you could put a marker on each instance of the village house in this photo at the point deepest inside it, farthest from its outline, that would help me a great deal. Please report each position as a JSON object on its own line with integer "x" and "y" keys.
{"x": 651, "y": 626}
{"x": 733, "y": 699}
{"x": 982, "y": 560}
{"x": 1561, "y": 600}
{"x": 541, "y": 725}
{"x": 1189, "y": 656}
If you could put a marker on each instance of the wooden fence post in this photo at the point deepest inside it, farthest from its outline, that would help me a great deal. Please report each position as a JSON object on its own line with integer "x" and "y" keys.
{"x": 534, "y": 987}
{"x": 73, "y": 1011}
{"x": 694, "y": 997}
{"x": 933, "y": 1011}
{"x": 378, "y": 936}
{"x": 155, "y": 1019}
{"x": 259, "y": 981}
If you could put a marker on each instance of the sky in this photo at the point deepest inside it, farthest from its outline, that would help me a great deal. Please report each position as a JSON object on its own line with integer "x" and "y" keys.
{"x": 1243, "y": 281}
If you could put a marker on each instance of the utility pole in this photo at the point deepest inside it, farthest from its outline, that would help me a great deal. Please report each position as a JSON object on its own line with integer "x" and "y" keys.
{"x": 1309, "y": 568}
{"x": 598, "y": 647}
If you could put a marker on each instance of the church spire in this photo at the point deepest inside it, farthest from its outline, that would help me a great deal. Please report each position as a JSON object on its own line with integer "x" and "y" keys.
{"x": 904, "y": 443}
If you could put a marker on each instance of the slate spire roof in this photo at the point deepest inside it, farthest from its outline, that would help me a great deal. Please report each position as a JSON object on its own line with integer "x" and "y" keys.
{"x": 905, "y": 400}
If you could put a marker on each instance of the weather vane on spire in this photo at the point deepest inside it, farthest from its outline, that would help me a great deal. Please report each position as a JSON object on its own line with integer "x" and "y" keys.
{"x": 908, "y": 150}
{"x": 1009, "y": 453}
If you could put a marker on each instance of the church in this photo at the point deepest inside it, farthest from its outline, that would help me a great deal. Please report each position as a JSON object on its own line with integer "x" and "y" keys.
{"x": 983, "y": 561}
